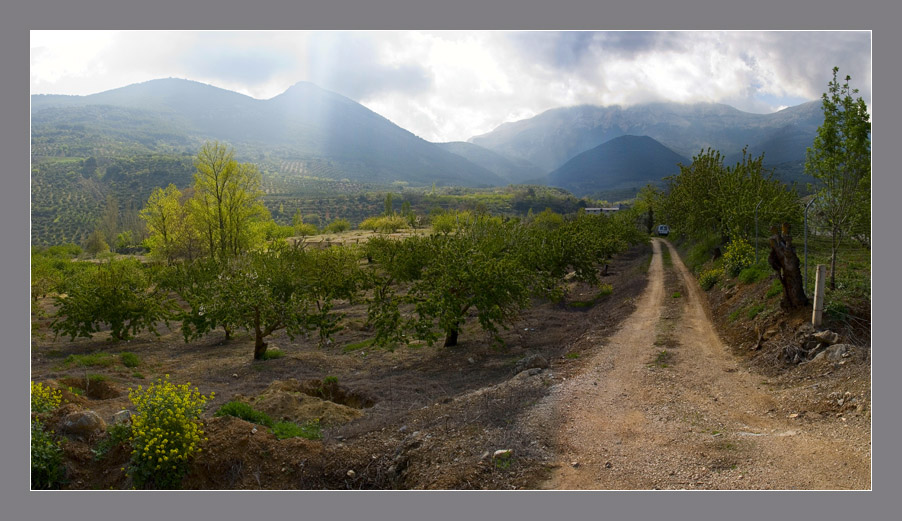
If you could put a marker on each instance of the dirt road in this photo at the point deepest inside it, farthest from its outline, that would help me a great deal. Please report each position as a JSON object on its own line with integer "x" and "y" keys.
{"x": 663, "y": 404}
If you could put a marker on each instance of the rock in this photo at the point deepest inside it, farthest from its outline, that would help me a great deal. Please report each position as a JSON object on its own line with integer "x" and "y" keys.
{"x": 574, "y": 464}
{"x": 485, "y": 456}
{"x": 534, "y": 371}
{"x": 770, "y": 333}
{"x": 83, "y": 424}
{"x": 351, "y": 473}
{"x": 827, "y": 337}
{"x": 471, "y": 361}
{"x": 503, "y": 454}
{"x": 834, "y": 352}
{"x": 531, "y": 362}
{"x": 122, "y": 416}
{"x": 234, "y": 375}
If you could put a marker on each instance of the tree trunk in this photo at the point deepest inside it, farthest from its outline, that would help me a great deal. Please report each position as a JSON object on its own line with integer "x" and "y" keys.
{"x": 451, "y": 337}
{"x": 259, "y": 345}
{"x": 785, "y": 262}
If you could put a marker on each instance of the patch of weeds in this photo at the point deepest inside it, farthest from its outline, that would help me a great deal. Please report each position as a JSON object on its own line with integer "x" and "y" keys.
{"x": 754, "y": 310}
{"x": 776, "y": 288}
{"x": 116, "y": 435}
{"x": 754, "y": 274}
{"x": 138, "y": 375}
{"x": 836, "y": 310}
{"x": 311, "y": 430}
{"x": 77, "y": 391}
{"x": 129, "y": 360}
{"x": 676, "y": 294}
{"x": 245, "y": 412}
{"x": 55, "y": 353}
{"x": 604, "y": 291}
{"x": 663, "y": 359}
{"x": 709, "y": 278}
{"x": 272, "y": 354}
{"x": 47, "y": 469}
{"x": 734, "y": 315}
{"x": 572, "y": 355}
{"x": 358, "y": 345}
{"x": 665, "y": 257}
{"x": 643, "y": 268}
{"x": 90, "y": 360}
{"x": 503, "y": 460}
{"x": 96, "y": 378}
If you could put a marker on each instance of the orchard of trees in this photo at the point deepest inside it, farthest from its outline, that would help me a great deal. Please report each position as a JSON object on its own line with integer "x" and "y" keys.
{"x": 222, "y": 264}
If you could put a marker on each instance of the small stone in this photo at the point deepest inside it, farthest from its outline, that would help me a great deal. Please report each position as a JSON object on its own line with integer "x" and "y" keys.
{"x": 351, "y": 473}
{"x": 794, "y": 415}
{"x": 122, "y": 416}
{"x": 254, "y": 430}
{"x": 234, "y": 375}
{"x": 608, "y": 465}
{"x": 574, "y": 464}
{"x": 470, "y": 360}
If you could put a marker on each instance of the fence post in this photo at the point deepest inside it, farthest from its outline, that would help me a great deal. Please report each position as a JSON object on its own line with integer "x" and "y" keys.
{"x": 818, "y": 312}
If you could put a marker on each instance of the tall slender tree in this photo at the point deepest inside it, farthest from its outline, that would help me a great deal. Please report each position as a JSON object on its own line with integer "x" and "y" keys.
{"x": 840, "y": 161}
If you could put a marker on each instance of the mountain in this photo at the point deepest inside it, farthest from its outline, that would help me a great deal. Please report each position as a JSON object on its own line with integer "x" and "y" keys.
{"x": 323, "y": 131}
{"x": 624, "y": 162}
{"x": 555, "y": 136}
{"x": 513, "y": 170}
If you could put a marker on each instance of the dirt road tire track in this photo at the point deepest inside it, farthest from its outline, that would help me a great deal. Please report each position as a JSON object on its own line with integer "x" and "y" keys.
{"x": 699, "y": 422}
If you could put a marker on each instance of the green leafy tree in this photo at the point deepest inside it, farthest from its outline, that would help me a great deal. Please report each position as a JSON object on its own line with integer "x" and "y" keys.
{"x": 118, "y": 294}
{"x": 647, "y": 200}
{"x": 172, "y": 227}
{"x": 840, "y": 160}
{"x": 96, "y": 243}
{"x": 227, "y": 199}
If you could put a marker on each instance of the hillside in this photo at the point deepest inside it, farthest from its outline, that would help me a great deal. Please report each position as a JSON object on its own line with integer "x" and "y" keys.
{"x": 621, "y": 163}
{"x": 555, "y": 136}
{"x": 513, "y": 170}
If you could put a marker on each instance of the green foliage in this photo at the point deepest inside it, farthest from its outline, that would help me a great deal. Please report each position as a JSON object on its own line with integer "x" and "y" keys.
{"x": 273, "y": 354}
{"x": 130, "y": 360}
{"x": 338, "y": 226}
{"x": 755, "y": 274}
{"x": 47, "y": 468}
{"x": 737, "y": 256}
{"x": 96, "y": 244}
{"x": 44, "y": 398}
{"x": 840, "y": 160}
{"x": 708, "y": 198}
{"x": 754, "y": 310}
{"x": 776, "y": 288}
{"x": 709, "y": 278}
{"x": 311, "y": 430}
{"x": 116, "y": 435}
{"x": 90, "y": 360}
{"x": 245, "y": 412}
{"x": 117, "y": 293}
{"x": 676, "y": 294}
{"x": 166, "y": 432}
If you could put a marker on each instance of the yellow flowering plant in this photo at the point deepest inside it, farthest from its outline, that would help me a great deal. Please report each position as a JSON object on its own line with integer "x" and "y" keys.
{"x": 44, "y": 398}
{"x": 166, "y": 432}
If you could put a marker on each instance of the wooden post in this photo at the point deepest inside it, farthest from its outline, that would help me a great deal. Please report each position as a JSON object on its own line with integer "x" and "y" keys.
{"x": 818, "y": 314}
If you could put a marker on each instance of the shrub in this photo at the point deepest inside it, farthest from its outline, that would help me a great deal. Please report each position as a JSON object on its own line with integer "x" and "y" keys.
{"x": 166, "y": 432}
{"x": 775, "y": 289}
{"x": 129, "y": 360}
{"x": 117, "y": 434}
{"x": 46, "y": 458}
{"x": 754, "y": 274}
{"x": 90, "y": 360}
{"x": 310, "y": 430}
{"x": 755, "y": 310}
{"x": 338, "y": 226}
{"x": 245, "y": 412}
{"x": 737, "y": 256}
{"x": 272, "y": 354}
{"x": 44, "y": 398}
{"x": 709, "y": 278}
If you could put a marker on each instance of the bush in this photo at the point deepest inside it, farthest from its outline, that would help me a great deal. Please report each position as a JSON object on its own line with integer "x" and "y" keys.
{"x": 44, "y": 398}
{"x": 130, "y": 360}
{"x": 90, "y": 360}
{"x": 775, "y": 289}
{"x": 46, "y": 458}
{"x": 754, "y": 274}
{"x": 245, "y": 412}
{"x": 737, "y": 256}
{"x": 272, "y": 354}
{"x": 709, "y": 278}
{"x": 166, "y": 432}
{"x": 338, "y": 226}
{"x": 310, "y": 430}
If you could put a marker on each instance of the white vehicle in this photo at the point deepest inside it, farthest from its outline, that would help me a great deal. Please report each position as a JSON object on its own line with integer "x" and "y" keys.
{"x": 663, "y": 230}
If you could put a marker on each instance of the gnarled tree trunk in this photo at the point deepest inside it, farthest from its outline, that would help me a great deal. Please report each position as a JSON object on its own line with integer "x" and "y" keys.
{"x": 785, "y": 262}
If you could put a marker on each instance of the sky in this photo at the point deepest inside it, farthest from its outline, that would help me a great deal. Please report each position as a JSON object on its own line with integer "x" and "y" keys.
{"x": 453, "y": 85}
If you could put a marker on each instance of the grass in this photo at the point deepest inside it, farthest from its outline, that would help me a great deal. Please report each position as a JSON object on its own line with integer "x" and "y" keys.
{"x": 755, "y": 274}
{"x": 311, "y": 430}
{"x": 245, "y": 412}
{"x": 96, "y": 378}
{"x": 272, "y": 354}
{"x": 665, "y": 257}
{"x": 776, "y": 288}
{"x": 734, "y": 315}
{"x": 676, "y": 294}
{"x": 605, "y": 290}
{"x": 129, "y": 360}
{"x": 753, "y": 310}
{"x": 572, "y": 356}
{"x": 90, "y": 360}
{"x": 359, "y": 345}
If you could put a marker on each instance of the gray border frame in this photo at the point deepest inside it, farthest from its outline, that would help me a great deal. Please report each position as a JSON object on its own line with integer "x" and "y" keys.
{"x": 19, "y": 503}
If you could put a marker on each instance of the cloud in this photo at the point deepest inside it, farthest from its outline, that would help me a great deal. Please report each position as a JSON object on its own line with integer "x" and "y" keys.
{"x": 214, "y": 56}
{"x": 350, "y": 64}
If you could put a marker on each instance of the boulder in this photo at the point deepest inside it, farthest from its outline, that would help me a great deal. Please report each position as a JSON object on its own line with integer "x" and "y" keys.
{"x": 531, "y": 362}
{"x": 834, "y": 353}
{"x": 122, "y": 416}
{"x": 83, "y": 424}
{"x": 827, "y": 337}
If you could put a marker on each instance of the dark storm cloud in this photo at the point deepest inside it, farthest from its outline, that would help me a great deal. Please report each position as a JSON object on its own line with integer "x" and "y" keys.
{"x": 348, "y": 64}
{"x": 568, "y": 49}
